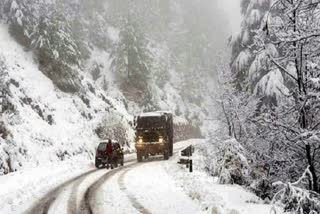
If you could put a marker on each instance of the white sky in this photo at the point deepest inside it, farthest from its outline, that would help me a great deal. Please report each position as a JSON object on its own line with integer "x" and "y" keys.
{"x": 232, "y": 9}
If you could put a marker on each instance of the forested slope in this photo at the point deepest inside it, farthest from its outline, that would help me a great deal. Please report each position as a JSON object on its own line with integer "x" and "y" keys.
{"x": 69, "y": 68}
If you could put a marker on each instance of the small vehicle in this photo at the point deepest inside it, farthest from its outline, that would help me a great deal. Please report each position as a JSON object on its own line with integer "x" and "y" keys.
{"x": 154, "y": 135}
{"x": 102, "y": 158}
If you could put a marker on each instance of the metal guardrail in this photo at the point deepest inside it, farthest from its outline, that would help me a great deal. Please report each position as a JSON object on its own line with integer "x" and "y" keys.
{"x": 187, "y": 152}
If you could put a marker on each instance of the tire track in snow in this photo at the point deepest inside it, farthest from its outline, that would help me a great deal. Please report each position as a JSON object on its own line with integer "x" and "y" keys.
{"x": 86, "y": 205}
{"x": 139, "y": 207}
{"x": 43, "y": 205}
{"x": 134, "y": 201}
{"x": 72, "y": 201}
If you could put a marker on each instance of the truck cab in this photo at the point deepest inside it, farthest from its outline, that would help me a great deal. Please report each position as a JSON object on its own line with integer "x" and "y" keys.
{"x": 154, "y": 135}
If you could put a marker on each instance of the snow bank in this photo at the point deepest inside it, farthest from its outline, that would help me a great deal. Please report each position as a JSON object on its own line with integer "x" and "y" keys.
{"x": 205, "y": 189}
{"x": 21, "y": 189}
{"x": 158, "y": 192}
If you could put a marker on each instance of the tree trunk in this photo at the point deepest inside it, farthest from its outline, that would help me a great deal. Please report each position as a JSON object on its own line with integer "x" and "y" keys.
{"x": 314, "y": 179}
{"x": 228, "y": 120}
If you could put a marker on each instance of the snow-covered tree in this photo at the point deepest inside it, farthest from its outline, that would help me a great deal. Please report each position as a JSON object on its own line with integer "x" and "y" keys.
{"x": 39, "y": 26}
{"x": 296, "y": 31}
{"x": 3, "y": 89}
{"x": 251, "y": 65}
{"x": 131, "y": 58}
{"x": 295, "y": 198}
{"x": 20, "y": 17}
{"x": 276, "y": 56}
{"x": 57, "y": 51}
{"x": 237, "y": 107}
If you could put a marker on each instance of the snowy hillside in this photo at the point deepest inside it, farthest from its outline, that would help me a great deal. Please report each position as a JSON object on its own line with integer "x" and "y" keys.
{"x": 66, "y": 79}
{"x": 46, "y": 124}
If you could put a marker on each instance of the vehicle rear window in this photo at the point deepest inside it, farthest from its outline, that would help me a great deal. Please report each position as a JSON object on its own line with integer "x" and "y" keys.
{"x": 102, "y": 146}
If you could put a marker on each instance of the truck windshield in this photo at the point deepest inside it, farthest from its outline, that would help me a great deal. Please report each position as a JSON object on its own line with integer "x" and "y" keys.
{"x": 102, "y": 147}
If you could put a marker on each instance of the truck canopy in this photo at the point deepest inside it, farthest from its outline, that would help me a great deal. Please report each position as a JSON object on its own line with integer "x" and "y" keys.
{"x": 152, "y": 120}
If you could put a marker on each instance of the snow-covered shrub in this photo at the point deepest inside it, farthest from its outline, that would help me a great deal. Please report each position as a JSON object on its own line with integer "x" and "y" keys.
{"x": 114, "y": 127}
{"x": 262, "y": 186}
{"x": 9, "y": 161}
{"x": 296, "y": 199}
{"x": 210, "y": 156}
{"x": 233, "y": 166}
{"x": 5, "y": 105}
{"x": 4, "y": 132}
{"x": 4, "y": 168}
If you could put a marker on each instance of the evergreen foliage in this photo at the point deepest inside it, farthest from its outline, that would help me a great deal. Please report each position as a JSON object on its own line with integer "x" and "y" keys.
{"x": 131, "y": 58}
{"x": 249, "y": 63}
{"x": 152, "y": 42}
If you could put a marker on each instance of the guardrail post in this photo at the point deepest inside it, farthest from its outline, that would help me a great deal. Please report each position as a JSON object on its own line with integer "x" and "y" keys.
{"x": 190, "y": 166}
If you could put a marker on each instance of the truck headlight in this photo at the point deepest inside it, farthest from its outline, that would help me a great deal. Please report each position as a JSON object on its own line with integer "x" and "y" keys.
{"x": 160, "y": 139}
{"x": 140, "y": 140}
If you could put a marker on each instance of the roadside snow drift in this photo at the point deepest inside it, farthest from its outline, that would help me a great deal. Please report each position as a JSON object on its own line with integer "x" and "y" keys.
{"x": 214, "y": 198}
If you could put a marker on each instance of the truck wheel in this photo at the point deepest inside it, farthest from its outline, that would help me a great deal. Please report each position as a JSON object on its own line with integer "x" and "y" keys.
{"x": 139, "y": 157}
{"x": 166, "y": 155}
{"x": 171, "y": 147}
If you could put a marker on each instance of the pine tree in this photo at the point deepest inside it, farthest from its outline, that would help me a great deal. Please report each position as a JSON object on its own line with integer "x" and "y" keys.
{"x": 251, "y": 64}
{"x": 131, "y": 58}
{"x": 39, "y": 26}
{"x": 195, "y": 49}
{"x": 20, "y": 18}
{"x": 53, "y": 37}
{"x": 57, "y": 50}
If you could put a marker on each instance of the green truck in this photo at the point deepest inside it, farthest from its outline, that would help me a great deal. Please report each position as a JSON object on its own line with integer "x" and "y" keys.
{"x": 154, "y": 135}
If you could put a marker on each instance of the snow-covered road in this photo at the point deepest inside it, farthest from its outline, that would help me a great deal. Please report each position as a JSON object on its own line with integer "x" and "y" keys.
{"x": 144, "y": 188}
{"x": 72, "y": 187}
{"x": 153, "y": 186}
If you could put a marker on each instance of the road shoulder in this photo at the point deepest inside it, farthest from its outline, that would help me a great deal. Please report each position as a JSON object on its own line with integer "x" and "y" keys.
{"x": 213, "y": 197}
